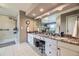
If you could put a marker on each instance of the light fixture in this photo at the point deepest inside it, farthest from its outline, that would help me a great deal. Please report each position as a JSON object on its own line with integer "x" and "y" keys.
{"x": 27, "y": 22}
{"x": 40, "y": 17}
{"x": 48, "y": 13}
{"x": 41, "y": 9}
{"x": 34, "y": 14}
{"x": 61, "y": 7}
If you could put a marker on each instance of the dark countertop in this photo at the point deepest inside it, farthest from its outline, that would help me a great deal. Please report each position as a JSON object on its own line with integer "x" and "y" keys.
{"x": 59, "y": 38}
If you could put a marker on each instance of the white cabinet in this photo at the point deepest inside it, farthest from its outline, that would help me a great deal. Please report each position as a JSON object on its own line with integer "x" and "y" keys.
{"x": 51, "y": 47}
{"x": 67, "y": 52}
{"x": 66, "y": 49}
{"x": 30, "y": 39}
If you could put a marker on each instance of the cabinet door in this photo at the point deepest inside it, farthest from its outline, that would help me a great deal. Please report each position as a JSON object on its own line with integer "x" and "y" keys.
{"x": 30, "y": 39}
{"x": 67, "y": 52}
{"x": 51, "y": 52}
{"x": 66, "y": 49}
{"x": 51, "y": 47}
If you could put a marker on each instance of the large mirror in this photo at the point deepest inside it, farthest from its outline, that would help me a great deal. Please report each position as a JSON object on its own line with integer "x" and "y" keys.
{"x": 8, "y": 26}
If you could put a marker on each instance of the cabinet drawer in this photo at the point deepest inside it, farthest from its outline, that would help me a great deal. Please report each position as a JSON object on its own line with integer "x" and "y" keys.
{"x": 69, "y": 46}
{"x": 51, "y": 52}
{"x": 67, "y": 52}
{"x": 51, "y": 47}
{"x": 67, "y": 49}
{"x": 51, "y": 43}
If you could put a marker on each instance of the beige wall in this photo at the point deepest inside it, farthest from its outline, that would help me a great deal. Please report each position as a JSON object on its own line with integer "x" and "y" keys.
{"x": 22, "y": 27}
{"x": 33, "y": 26}
{"x": 63, "y": 24}
{"x": 6, "y": 23}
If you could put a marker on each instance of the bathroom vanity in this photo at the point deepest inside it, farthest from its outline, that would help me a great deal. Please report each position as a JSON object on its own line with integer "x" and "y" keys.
{"x": 55, "y": 46}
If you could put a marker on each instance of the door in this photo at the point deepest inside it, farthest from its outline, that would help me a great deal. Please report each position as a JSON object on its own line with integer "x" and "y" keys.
{"x": 70, "y": 23}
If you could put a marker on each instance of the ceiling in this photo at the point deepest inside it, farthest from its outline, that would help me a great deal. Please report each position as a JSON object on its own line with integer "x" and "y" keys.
{"x": 45, "y": 6}
{"x": 16, "y": 6}
{"x": 32, "y": 10}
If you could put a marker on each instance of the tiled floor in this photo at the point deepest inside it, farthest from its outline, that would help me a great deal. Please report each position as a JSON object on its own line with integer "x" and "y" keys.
{"x": 22, "y": 50}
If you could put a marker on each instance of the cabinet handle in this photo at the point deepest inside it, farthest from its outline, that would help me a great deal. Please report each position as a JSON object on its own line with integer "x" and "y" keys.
{"x": 49, "y": 44}
{"x": 49, "y": 52}
{"x": 58, "y": 48}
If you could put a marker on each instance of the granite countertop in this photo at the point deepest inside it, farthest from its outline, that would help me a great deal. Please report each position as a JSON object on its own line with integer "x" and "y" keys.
{"x": 63, "y": 39}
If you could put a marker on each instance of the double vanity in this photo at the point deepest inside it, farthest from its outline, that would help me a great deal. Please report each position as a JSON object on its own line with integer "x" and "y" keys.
{"x": 54, "y": 45}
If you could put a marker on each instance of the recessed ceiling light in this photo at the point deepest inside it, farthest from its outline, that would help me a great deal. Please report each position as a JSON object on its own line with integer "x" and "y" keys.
{"x": 40, "y": 17}
{"x": 41, "y": 9}
{"x": 48, "y": 13}
{"x": 61, "y": 7}
{"x": 34, "y": 14}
